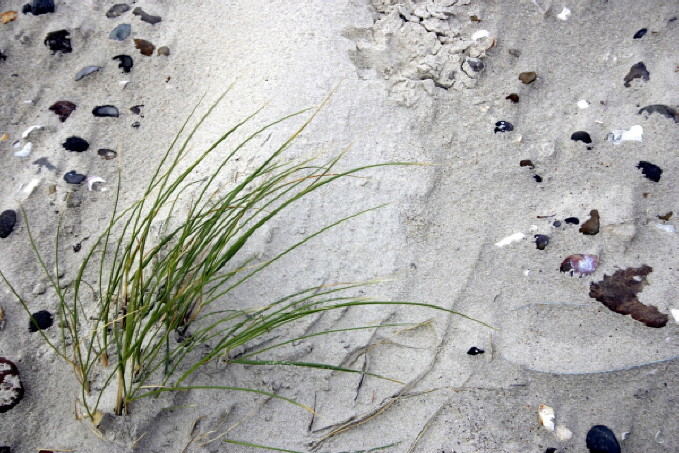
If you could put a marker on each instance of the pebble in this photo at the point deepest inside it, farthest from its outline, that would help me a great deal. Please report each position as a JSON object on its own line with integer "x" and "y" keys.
{"x": 25, "y": 151}
{"x": 116, "y": 10}
{"x": 550, "y": 450}
{"x": 125, "y": 62}
{"x": 503, "y": 126}
{"x": 476, "y": 64}
{"x": 546, "y": 417}
{"x": 136, "y": 109}
{"x": 3, "y": 57}
{"x": 107, "y": 154}
{"x": 528, "y": 77}
{"x": 513, "y": 97}
{"x": 146, "y": 17}
{"x": 145, "y": 47}
{"x": 39, "y": 289}
{"x": 667, "y": 216}
{"x": 87, "y": 70}
{"x": 58, "y": 41}
{"x": 164, "y": 51}
{"x": 537, "y": 178}
{"x": 136, "y": 125}
{"x": 8, "y": 16}
{"x": 640, "y": 33}
{"x": 600, "y": 439}
{"x": 651, "y": 171}
{"x": 580, "y": 264}
{"x": 557, "y": 223}
{"x": 661, "y": 109}
{"x": 591, "y": 226}
{"x": 38, "y": 7}
{"x": 40, "y": 320}
{"x": 572, "y": 220}
{"x": 106, "y": 111}
{"x": 121, "y": 32}
{"x": 44, "y": 162}
{"x": 564, "y": 14}
{"x": 526, "y": 163}
{"x": 581, "y": 136}
{"x": 11, "y": 388}
{"x": 76, "y": 144}
{"x": 541, "y": 241}
{"x": 63, "y": 109}
{"x": 582, "y": 104}
{"x": 637, "y": 71}
{"x": 8, "y": 220}
{"x": 74, "y": 178}
{"x": 475, "y": 351}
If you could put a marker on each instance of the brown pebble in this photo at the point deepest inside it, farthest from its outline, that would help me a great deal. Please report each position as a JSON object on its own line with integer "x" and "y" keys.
{"x": 527, "y": 163}
{"x": 667, "y": 216}
{"x": 528, "y": 77}
{"x": 514, "y": 53}
{"x": 163, "y": 51}
{"x": 8, "y": 16}
{"x": 513, "y": 97}
{"x": 591, "y": 226}
{"x": 145, "y": 47}
{"x": 474, "y": 18}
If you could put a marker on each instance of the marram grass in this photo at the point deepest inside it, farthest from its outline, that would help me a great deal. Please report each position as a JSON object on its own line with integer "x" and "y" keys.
{"x": 142, "y": 301}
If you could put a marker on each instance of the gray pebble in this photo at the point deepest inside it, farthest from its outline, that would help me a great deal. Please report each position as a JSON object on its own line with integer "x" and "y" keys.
{"x": 121, "y": 32}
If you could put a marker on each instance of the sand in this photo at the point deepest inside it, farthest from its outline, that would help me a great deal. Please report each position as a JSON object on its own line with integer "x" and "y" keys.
{"x": 404, "y": 91}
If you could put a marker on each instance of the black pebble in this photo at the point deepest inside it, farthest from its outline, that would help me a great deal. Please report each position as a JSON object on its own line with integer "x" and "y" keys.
{"x": 661, "y": 109}
{"x": 537, "y": 178}
{"x": 476, "y": 64}
{"x": 581, "y": 136}
{"x": 136, "y": 124}
{"x": 3, "y": 57}
{"x": 600, "y": 439}
{"x": 550, "y": 450}
{"x": 106, "y": 111}
{"x": 475, "y": 351}
{"x": 74, "y": 178}
{"x": 503, "y": 126}
{"x": 58, "y": 41}
{"x": 125, "y": 62}
{"x": 76, "y": 144}
{"x": 77, "y": 247}
{"x": 541, "y": 241}
{"x": 557, "y": 223}
{"x": 5, "y": 450}
{"x": 136, "y": 109}
{"x": 40, "y": 320}
{"x": 107, "y": 154}
{"x": 640, "y": 34}
{"x": 651, "y": 171}
{"x": 513, "y": 97}
{"x": 572, "y": 220}
{"x": 8, "y": 220}
{"x": 38, "y": 7}
{"x": 63, "y": 109}
{"x": 637, "y": 71}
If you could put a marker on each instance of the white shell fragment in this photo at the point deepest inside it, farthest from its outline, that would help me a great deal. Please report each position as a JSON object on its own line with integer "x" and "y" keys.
{"x": 675, "y": 314}
{"x": 95, "y": 183}
{"x": 25, "y": 150}
{"x": 634, "y": 134}
{"x": 546, "y": 416}
{"x": 562, "y": 433}
{"x": 480, "y": 34}
{"x": 25, "y": 190}
{"x": 666, "y": 228}
{"x": 510, "y": 239}
{"x": 30, "y": 130}
{"x": 564, "y": 14}
{"x": 583, "y": 104}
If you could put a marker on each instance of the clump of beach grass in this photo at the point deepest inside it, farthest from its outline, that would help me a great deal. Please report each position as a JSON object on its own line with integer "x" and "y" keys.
{"x": 144, "y": 299}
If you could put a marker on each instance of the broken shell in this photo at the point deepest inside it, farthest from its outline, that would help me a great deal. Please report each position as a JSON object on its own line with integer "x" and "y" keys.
{"x": 634, "y": 134}
{"x": 25, "y": 151}
{"x": 651, "y": 171}
{"x": 640, "y": 33}
{"x": 121, "y": 32}
{"x": 480, "y": 34}
{"x": 11, "y": 389}
{"x": 564, "y": 14}
{"x": 58, "y": 41}
{"x": 8, "y": 16}
{"x": 94, "y": 182}
{"x": 580, "y": 264}
{"x": 76, "y": 144}
{"x": 87, "y": 70}
{"x": 145, "y": 47}
{"x": 125, "y": 62}
{"x": 528, "y": 77}
{"x": 30, "y": 130}
{"x": 107, "y": 154}
{"x": 510, "y": 239}
{"x": 106, "y": 111}
{"x": 63, "y": 109}
{"x": 546, "y": 417}
{"x": 8, "y": 220}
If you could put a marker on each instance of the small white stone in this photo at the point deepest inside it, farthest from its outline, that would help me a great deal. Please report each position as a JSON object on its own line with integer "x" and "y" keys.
{"x": 562, "y": 433}
{"x": 564, "y": 14}
{"x": 634, "y": 134}
{"x": 583, "y": 104}
{"x": 30, "y": 130}
{"x": 510, "y": 239}
{"x": 25, "y": 151}
{"x": 480, "y": 34}
{"x": 92, "y": 184}
{"x": 675, "y": 314}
